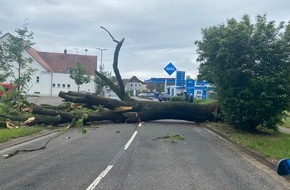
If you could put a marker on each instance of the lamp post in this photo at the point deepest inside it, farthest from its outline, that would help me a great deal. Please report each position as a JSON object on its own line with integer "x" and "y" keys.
{"x": 101, "y": 49}
{"x": 101, "y": 69}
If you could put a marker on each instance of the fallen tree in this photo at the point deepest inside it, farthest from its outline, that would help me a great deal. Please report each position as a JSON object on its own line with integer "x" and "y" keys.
{"x": 126, "y": 111}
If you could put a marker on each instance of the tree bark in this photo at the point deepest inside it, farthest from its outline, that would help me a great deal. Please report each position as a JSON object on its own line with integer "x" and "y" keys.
{"x": 138, "y": 111}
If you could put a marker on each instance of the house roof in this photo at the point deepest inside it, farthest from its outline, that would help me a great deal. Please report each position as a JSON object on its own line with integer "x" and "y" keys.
{"x": 132, "y": 79}
{"x": 36, "y": 56}
{"x": 62, "y": 62}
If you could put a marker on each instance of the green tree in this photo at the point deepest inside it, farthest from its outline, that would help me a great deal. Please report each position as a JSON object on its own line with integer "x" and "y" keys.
{"x": 14, "y": 63}
{"x": 249, "y": 65}
{"x": 100, "y": 82}
{"x": 80, "y": 75}
{"x": 3, "y": 66}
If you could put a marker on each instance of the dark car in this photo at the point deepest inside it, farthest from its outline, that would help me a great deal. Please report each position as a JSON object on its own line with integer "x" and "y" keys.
{"x": 164, "y": 97}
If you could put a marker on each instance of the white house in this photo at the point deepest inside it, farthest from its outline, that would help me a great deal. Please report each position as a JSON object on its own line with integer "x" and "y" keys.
{"x": 134, "y": 84}
{"x": 53, "y": 71}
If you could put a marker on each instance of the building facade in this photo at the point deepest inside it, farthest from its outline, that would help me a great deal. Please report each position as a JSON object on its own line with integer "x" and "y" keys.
{"x": 53, "y": 71}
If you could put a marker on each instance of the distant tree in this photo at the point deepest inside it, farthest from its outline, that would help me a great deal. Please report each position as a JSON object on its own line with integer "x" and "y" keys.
{"x": 14, "y": 63}
{"x": 100, "y": 82}
{"x": 249, "y": 65}
{"x": 3, "y": 66}
{"x": 80, "y": 75}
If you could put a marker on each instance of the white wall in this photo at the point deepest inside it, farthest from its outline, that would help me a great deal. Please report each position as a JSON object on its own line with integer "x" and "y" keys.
{"x": 62, "y": 82}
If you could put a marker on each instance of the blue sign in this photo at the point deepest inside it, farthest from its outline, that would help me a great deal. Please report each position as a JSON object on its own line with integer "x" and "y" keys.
{"x": 203, "y": 94}
{"x": 170, "y": 68}
{"x": 190, "y": 85}
{"x": 180, "y": 78}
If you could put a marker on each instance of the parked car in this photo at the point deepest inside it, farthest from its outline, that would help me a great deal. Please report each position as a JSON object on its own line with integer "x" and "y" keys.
{"x": 113, "y": 95}
{"x": 164, "y": 97}
{"x": 146, "y": 95}
{"x": 6, "y": 88}
{"x": 142, "y": 95}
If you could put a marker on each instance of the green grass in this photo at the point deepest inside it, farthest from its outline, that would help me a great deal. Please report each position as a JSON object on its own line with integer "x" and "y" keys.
{"x": 273, "y": 145}
{"x": 8, "y": 134}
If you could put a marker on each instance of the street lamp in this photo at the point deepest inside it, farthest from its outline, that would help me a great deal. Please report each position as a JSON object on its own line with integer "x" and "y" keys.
{"x": 101, "y": 49}
{"x": 101, "y": 69}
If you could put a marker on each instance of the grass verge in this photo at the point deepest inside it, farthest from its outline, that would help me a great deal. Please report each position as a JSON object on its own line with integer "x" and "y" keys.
{"x": 268, "y": 143}
{"x": 8, "y": 134}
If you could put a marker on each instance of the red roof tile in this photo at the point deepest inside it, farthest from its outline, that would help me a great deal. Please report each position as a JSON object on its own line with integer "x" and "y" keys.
{"x": 61, "y": 62}
{"x": 34, "y": 54}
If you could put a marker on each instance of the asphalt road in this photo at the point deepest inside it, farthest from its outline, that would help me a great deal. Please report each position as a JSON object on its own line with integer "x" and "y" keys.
{"x": 126, "y": 156}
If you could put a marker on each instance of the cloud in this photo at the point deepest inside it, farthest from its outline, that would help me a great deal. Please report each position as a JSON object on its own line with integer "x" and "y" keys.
{"x": 156, "y": 32}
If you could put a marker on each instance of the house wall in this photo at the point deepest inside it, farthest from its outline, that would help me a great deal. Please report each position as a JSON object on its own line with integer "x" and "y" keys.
{"x": 44, "y": 83}
{"x": 63, "y": 82}
{"x": 133, "y": 86}
{"x": 39, "y": 80}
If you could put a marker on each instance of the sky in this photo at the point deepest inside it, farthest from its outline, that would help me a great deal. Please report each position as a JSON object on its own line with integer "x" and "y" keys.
{"x": 156, "y": 32}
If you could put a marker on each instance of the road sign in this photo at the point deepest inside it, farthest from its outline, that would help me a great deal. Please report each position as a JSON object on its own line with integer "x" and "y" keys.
{"x": 170, "y": 68}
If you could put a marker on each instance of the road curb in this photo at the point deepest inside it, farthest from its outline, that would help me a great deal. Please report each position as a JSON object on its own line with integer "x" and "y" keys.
{"x": 24, "y": 139}
{"x": 253, "y": 154}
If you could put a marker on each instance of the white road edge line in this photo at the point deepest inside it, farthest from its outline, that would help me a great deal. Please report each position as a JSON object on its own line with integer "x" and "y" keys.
{"x": 130, "y": 141}
{"x": 106, "y": 171}
{"x": 99, "y": 178}
{"x": 216, "y": 135}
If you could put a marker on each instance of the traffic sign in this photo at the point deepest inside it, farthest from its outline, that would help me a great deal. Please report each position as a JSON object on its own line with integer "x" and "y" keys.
{"x": 170, "y": 68}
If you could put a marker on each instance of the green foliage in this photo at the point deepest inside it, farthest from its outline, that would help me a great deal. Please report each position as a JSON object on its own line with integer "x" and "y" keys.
{"x": 80, "y": 121}
{"x": 83, "y": 130}
{"x": 80, "y": 75}
{"x": 249, "y": 65}
{"x": 100, "y": 82}
{"x": 174, "y": 137}
{"x": 14, "y": 63}
{"x": 177, "y": 99}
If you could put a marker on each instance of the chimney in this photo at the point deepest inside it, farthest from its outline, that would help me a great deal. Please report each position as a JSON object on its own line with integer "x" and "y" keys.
{"x": 65, "y": 51}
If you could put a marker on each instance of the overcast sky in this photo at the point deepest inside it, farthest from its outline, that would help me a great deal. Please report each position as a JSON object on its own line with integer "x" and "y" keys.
{"x": 156, "y": 32}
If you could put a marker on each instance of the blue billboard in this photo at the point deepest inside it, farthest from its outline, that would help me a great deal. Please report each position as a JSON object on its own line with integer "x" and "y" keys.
{"x": 180, "y": 78}
{"x": 190, "y": 85}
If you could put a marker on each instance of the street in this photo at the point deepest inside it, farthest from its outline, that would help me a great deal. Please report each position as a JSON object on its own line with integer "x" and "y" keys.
{"x": 130, "y": 156}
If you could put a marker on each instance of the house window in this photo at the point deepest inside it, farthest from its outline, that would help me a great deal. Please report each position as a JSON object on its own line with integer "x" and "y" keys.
{"x": 58, "y": 85}
{"x": 63, "y": 85}
{"x": 68, "y": 85}
{"x": 37, "y": 79}
{"x": 53, "y": 85}
{"x": 131, "y": 85}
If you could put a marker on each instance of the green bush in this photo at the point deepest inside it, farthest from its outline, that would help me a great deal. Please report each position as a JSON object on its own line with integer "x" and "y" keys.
{"x": 249, "y": 65}
{"x": 177, "y": 99}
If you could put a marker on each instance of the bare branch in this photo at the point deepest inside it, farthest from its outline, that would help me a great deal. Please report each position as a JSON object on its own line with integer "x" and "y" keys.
{"x": 110, "y": 34}
{"x": 122, "y": 93}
